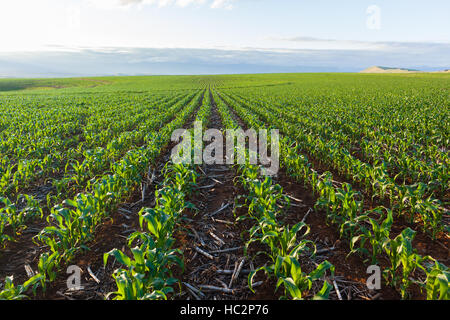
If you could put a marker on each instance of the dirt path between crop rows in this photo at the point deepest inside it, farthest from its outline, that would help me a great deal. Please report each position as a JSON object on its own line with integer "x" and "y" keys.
{"x": 212, "y": 242}
{"x": 350, "y": 272}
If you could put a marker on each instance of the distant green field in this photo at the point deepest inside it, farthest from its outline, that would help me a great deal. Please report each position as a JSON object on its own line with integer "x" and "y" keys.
{"x": 150, "y": 83}
{"x": 367, "y": 154}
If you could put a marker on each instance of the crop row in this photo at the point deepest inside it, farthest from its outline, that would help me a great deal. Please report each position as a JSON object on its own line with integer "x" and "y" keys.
{"x": 95, "y": 162}
{"x": 285, "y": 245}
{"x": 72, "y": 224}
{"x": 408, "y": 200}
{"x": 147, "y": 274}
{"x": 345, "y": 210}
{"x": 361, "y": 140}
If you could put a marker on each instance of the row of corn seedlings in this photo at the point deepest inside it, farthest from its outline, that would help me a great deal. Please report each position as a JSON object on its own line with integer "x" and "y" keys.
{"x": 22, "y": 172}
{"x": 408, "y": 200}
{"x": 146, "y": 275}
{"x": 407, "y": 137}
{"x": 370, "y": 236}
{"x": 344, "y": 209}
{"x": 95, "y": 162}
{"x": 72, "y": 224}
{"x": 285, "y": 245}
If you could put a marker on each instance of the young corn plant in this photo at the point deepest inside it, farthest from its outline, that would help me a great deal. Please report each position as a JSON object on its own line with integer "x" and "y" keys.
{"x": 47, "y": 268}
{"x": 16, "y": 219}
{"x": 284, "y": 247}
{"x": 295, "y": 281}
{"x": 438, "y": 276}
{"x": 401, "y": 254}
{"x": 376, "y": 236}
{"x": 147, "y": 274}
{"x": 12, "y": 292}
{"x": 349, "y": 210}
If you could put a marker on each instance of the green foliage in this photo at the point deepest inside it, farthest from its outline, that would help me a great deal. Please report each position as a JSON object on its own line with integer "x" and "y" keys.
{"x": 79, "y": 147}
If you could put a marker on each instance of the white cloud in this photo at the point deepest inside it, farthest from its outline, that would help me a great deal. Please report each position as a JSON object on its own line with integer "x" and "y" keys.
{"x": 114, "y": 4}
{"x": 226, "y": 4}
{"x": 304, "y": 42}
{"x": 138, "y": 61}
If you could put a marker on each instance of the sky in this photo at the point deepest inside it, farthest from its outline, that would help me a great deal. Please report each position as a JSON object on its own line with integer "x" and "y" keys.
{"x": 291, "y": 35}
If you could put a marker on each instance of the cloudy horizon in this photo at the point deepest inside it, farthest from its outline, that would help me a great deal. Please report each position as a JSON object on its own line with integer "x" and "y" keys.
{"x": 49, "y": 38}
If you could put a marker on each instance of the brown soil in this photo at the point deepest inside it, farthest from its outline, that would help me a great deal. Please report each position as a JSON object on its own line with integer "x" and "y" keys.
{"x": 207, "y": 230}
{"x": 438, "y": 249}
{"x": 196, "y": 231}
{"x": 350, "y": 273}
{"x": 109, "y": 235}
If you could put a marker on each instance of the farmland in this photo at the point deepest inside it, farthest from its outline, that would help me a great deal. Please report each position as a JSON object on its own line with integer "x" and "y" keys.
{"x": 86, "y": 180}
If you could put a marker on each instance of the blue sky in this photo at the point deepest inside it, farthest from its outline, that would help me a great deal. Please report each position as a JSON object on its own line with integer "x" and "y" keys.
{"x": 384, "y": 27}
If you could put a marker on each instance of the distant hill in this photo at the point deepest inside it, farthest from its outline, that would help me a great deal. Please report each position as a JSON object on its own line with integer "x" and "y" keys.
{"x": 378, "y": 69}
{"x": 443, "y": 71}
